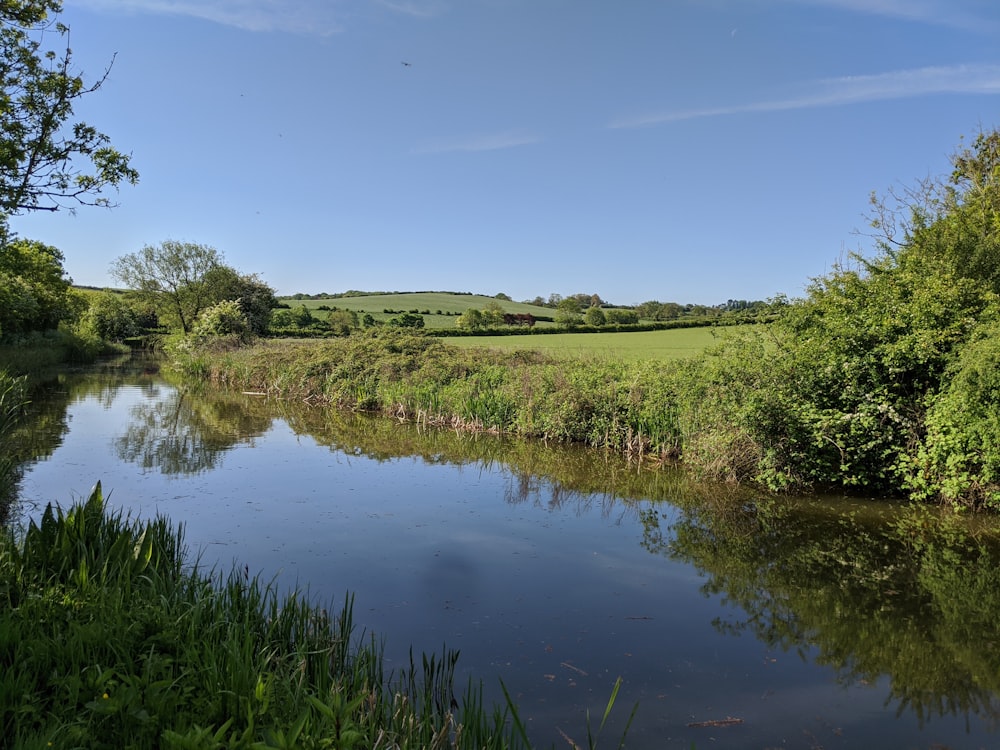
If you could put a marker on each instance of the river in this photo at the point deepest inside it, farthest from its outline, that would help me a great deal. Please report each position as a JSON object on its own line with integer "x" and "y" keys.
{"x": 734, "y": 621}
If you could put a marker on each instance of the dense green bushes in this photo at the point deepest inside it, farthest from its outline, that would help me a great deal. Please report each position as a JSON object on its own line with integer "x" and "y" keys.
{"x": 882, "y": 379}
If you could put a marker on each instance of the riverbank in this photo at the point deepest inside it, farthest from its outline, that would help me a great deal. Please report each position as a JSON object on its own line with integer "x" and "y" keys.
{"x": 761, "y": 407}
{"x": 41, "y": 351}
{"x": 628, "y": 407}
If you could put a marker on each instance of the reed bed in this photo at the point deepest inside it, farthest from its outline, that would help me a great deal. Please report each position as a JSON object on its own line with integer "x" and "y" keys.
{"x": 631, "y": 407}
{"x": 110, "y": 638}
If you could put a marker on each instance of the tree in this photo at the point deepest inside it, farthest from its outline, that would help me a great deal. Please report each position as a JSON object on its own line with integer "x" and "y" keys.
{"x": 34, "y": 290}
{"x": 255, "y": 298}
{"x": 38, "y": 141}
{"x": 303, "y": 317}
{"x": 617, "y": 316}
{"x": 568, "y": 313}
{"x": 407, "y": 320}
{"x": 669, "y": 311}
{"x": 470, "y": 320}
{"x": 649, "y": 310}
{"x": 492, "y": 315}
{"x": 595, "y": 317}
{"x": 110, "y": 317}
{"x": 172, "y": 276}
{"x": 342, "y": 322}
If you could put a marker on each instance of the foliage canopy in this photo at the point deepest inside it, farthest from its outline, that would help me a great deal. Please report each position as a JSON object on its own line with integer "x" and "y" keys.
{"x": 34, "y": 290}
{"x": 182, "y": 279}
{"x": 40, "y": 144}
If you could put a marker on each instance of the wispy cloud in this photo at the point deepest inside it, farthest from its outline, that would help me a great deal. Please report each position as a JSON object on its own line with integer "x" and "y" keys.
{"x": 321, "y": 17}
{"x": 492, "y": 142}
{"x": 418, "y": 8}
{"x": 936, "y": 12}
{"x": 833, "y": 92}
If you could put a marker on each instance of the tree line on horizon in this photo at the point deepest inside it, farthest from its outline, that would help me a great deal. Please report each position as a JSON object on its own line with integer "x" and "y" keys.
{"x": 648, "y": 310}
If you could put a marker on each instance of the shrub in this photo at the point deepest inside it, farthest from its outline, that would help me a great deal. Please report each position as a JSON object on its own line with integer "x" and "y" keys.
{"x": 959, "y": 460}
{"x": 222, "y": 319}
{"x": 407, "y": 320}
{"x": 594, "y": 317}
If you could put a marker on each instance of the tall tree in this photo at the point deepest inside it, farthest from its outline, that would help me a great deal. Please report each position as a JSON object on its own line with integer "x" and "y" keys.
{"x": 39, "y": 141}
{"x": 173, "y": 276}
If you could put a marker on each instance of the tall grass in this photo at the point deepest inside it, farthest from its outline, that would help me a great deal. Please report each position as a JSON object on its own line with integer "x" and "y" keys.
{"x": 626, "y": 406}
{"x": 110, "y": 637}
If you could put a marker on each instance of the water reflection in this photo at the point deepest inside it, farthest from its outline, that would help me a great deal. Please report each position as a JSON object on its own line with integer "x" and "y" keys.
{"x": 908, "y": 594}
{"x": 46, "y": 422}
{"x": 182, "y": 434}
{"x": 708, "y": 601}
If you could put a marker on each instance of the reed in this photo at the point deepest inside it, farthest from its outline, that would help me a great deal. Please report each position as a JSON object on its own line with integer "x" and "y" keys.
{"x": 629, "y": 407}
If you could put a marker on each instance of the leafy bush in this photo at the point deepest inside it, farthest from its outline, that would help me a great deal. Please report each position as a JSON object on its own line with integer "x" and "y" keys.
{"x": 959, "y": 460}
{"x": 407, "y": 320}
{"x": 222, "y": 319}
{"x": 595, "y": 317}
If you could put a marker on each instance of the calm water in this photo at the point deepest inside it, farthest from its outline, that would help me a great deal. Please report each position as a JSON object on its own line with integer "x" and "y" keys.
{"x": 558, "y": 570}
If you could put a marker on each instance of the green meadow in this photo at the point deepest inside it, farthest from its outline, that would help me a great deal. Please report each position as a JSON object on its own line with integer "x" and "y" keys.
{"x": 447, "y": 302}
{"x": 438, "y": 308}
{"x": 674, "y": 343}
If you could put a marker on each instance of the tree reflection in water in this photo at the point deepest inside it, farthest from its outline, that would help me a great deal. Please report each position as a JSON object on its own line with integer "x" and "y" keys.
{"x": 181, "y": 434}
{"x": 909, "y": 594}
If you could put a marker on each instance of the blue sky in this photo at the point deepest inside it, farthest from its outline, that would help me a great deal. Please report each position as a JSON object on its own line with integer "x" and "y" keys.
{"x": 679, "y": 150}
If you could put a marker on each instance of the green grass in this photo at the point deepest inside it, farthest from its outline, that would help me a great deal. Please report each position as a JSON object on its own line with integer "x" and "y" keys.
{"x": 676, "y": 343}
{"x": 450, "y": 305}
{"x": 446, "y": 302}
{"x": 601, "y": 401}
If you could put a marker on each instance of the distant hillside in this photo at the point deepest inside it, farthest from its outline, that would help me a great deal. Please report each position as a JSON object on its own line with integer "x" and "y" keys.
{"x": 454, "y": 303}
{"x": 439, "y": 309}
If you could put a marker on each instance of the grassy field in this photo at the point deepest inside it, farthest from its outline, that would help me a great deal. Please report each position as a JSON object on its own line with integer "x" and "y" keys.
{"x": 661, "y": 345}
{"x": 446, "y": 302}
{"x": 438, "y": 308}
